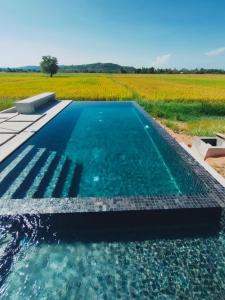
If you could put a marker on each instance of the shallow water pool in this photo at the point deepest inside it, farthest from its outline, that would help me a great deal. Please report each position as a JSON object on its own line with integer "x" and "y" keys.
{"x": 139, "y": 267}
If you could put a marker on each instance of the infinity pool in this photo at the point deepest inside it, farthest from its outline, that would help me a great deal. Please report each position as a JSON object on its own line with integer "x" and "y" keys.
{"x": 96, "y": 150}
{"x": 111, "y": 155}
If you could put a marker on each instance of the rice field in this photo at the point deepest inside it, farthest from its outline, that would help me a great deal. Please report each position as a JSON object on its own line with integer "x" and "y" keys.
{"x": 75, "y": 86}
{"x": 193, "y": 104}
{"x": 176, "y": 87}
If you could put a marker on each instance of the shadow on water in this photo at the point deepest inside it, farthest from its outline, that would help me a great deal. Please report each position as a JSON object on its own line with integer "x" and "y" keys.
{"x": 124, "y": 235}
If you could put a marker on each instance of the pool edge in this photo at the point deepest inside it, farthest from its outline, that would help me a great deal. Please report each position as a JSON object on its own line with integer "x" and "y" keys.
{"x": 14, "y": 143}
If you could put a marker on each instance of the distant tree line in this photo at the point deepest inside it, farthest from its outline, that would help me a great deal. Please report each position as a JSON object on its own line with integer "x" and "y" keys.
{"x": 115, "y": 68}
{"x": 152, "y": 70}
{"x": 18, "y": 70}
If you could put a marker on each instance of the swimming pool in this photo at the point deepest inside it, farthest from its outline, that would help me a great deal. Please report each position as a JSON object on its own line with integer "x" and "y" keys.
{"x": 105, "y": 157}
{"x": 96, "y": 150}
{"x": 99, "y": 163}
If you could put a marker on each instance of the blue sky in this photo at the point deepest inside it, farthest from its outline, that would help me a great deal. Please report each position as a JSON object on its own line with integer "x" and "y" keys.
{"x": 163, "y": 33}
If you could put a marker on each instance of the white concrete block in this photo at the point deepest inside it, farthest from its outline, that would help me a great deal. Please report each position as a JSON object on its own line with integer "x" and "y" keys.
{"x": 30, "y": 105}
{"x": 209, "y": 146}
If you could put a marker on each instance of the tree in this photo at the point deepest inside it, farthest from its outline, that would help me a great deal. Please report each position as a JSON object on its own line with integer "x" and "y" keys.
{"x": 49, "y": 65}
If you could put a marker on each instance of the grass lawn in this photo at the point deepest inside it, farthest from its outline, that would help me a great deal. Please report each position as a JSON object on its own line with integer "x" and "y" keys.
{"x": 192, "y": 118}
{"x": 192, "y": 104}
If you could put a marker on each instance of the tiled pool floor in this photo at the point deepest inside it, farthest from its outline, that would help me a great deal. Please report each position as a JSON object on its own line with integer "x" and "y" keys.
{"x": 166, "y": 268}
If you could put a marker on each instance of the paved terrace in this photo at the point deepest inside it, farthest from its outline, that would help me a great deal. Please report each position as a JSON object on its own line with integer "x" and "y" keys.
{"x": 16, "y": 128}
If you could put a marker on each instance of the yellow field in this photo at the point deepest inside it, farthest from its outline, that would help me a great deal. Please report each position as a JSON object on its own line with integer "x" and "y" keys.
{"x": 91, "y": 86}
{"x": 18, "y": 86}
{"x": 196, "y": 101}
{"x": 176, "y": 87}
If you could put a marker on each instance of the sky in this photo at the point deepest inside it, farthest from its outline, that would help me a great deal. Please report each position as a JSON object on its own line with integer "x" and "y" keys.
{"x": 159, "y": 33}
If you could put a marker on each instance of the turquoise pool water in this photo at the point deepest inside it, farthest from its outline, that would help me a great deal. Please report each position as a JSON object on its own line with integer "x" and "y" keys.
{"x": 52, "y": 267}
{"x": 96, "y": 149}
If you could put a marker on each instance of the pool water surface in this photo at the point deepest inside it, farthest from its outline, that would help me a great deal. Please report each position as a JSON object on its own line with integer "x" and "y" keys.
{"x": 56, "y": 267}
{"x": 96, "y": 150}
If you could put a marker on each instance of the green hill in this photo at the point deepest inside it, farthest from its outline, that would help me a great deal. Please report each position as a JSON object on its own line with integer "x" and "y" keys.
{"x": 97, "y": 68}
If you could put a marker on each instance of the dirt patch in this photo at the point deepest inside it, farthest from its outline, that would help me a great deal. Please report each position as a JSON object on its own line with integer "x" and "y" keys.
{"x": 218, "y": 163}
{"x": 179, "y": 137}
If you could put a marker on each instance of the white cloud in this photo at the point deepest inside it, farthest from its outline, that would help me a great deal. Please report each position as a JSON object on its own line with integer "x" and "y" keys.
{"x": 216, "y": 52}
{"x": 161, "y": 60}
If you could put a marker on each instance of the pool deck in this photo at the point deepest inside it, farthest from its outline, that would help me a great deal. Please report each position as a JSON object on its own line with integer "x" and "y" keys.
{"x": 15, "y": 128}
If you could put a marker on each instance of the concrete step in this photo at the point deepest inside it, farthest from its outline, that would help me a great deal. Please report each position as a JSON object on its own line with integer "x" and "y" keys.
{"x": 24, "y": 173}
{"x": 38, "y": 179}
{"x": 15, "y": 162}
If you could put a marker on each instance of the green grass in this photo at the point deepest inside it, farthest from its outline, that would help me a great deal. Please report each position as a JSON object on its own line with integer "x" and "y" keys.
{"x": 195, "y": 118}
{"x": 183, "y": 111}
{"x": 192, "y": 104}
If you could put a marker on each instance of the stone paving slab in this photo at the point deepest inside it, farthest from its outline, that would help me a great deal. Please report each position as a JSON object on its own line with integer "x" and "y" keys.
{"x": 11, "y": 145}
{"x": 25, "y": 118}
{"x": 6, "y": 131}
{"x": 7, "y": 148}
{"x": 49, "y": 116}
{"x": 13, "y": 127}
{"x": 7, "y": 115}
{"x": 4, "y": 137}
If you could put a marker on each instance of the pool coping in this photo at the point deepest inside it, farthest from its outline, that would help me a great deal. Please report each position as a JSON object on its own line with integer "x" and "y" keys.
{"x": 213, "y": 200}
